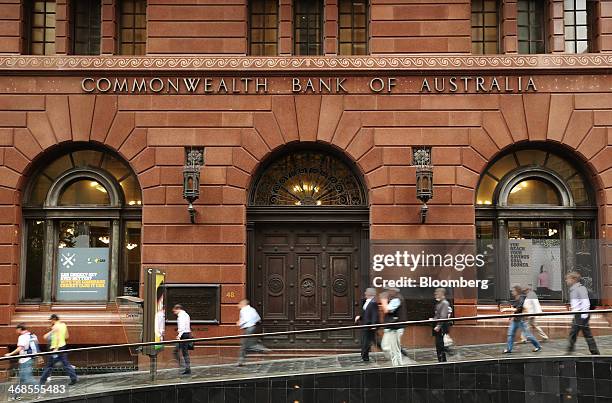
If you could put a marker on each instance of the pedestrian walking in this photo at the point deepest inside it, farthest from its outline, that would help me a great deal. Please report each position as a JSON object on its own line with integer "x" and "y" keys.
{"x": 391, "y": 303}
{"x": 57, "y": 341}
{"x": 368, "y": 316}
{"x": 440, "y": 329}
{"x": 183, "y": 323}
{"x": 580, "y": 302}
{"x": 27, "y": 343}
{"x": 532, "y": 305}
{"x": 248, "y": 320}
{"x": 518, "y": 323}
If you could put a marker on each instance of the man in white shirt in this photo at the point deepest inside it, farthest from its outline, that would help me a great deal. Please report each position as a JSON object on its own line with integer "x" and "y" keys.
{"x": 532, "y": 305}
{"x": 580, "y": 302}
{"x": 183, "y": 323}
{"x": 27, "y": 343}
{"x": 248, "y": 320}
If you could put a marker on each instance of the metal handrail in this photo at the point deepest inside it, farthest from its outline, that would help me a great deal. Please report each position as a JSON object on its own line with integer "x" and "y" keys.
{"x": 306, "y": 331}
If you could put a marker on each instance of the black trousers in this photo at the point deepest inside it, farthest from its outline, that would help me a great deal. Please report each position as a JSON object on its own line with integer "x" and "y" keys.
{"x": 183, "y": 349}
{"x": 578, "y": 325}
{"x": 440, "y": 349}
{"x": 368, "y": 337}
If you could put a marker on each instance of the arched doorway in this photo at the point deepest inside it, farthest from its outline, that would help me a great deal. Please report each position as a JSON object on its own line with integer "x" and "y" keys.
{"x": 308, "y": 234}
{"x": 536, "y": 219}
{"x": 82, "y": 213}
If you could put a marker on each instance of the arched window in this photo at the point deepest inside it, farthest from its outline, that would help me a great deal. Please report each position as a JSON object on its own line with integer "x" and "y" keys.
{"x": 82, "y": 216}
{"x": 535, "y": 221}
{"x": 308, "y": 178}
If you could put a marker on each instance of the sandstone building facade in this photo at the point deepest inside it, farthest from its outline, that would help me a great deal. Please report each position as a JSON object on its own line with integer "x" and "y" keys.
{"x": 304, "y": 117}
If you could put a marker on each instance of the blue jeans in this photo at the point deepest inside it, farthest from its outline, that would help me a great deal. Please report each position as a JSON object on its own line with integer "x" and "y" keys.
{"x": 54, "y": 358}
{"x": 25, "y": 373}
{"x": 516, "y": 325}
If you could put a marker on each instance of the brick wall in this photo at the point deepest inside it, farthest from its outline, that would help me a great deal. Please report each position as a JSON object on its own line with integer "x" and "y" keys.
{"x": 196, "y": 27}
{"x": 10, "y": 26}
{"x": 413, "y": 26}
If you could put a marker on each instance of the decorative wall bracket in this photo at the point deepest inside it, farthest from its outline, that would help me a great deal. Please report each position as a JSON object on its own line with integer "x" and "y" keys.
{"x": 421, "y": 159}
{"x": 194, "y": 160}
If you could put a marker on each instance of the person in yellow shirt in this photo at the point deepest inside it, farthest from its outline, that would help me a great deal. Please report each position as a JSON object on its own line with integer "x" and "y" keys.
{"x": 57, "y": 342}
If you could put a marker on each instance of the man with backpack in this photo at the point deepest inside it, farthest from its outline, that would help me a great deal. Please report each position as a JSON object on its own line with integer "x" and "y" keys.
{"x": 27, "y": 343}
{"x": 580, "y": 302}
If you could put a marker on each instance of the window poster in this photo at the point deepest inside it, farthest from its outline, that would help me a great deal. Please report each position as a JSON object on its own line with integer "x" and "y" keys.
{"x": 82, "y": 274}
{"x": 536, "y": 263}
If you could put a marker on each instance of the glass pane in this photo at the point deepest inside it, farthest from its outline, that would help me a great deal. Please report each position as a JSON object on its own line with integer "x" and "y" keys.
{"x": 485, "y": 241}
{"x": 39, "y": 190}
{"x": 533, "y": 191}
{"x": 503, "y": 166}
{"x": 57, "y": 167}
{"x": 531, "y": 157}
{"x": 585, "y": 249}
{"x": 84, "y": 192}
{"x": 87, "y": 158}
{"x": 535, "y": 257}
{"x": 35, "y": 242}
{"x": 560, "y": 166}
{"x": 486, "y": 190}
{"x": 131, "y": 191}
{"x": 117, "y": 168}
{"x": 491, "y": 48}
{"x": 83, "y": 261}
{"x": 579, "y": 191}
{"x": 131, "y": 259}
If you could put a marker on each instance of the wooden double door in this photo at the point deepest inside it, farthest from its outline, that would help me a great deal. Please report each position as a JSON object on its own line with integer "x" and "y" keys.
{"x": 307, "y": 276}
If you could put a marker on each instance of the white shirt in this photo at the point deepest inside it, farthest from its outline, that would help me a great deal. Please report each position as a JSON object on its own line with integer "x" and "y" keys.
{"x": 532, "y": 304}
{"x": 248, "y": 317}
{"x": 183, "y": 323}
{"x": 24, "y": 341}
{"x": 579, "y": 299}
{"x": 366, "y": 303}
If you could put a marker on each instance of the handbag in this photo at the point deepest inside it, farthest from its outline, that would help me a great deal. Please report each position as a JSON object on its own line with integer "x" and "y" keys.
{"x": 448, "y": 341}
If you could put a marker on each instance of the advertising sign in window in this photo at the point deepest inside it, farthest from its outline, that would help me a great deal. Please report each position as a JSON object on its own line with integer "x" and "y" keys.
{"x": 82, "y": 274}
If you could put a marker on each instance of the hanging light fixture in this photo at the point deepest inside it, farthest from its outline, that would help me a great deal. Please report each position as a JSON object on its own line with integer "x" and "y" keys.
{"x": 421, "y": 159}
{"x": 194, "y": 159}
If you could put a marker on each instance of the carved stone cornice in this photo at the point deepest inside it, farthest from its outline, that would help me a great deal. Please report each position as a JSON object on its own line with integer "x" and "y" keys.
{"x": 245, "y": 64}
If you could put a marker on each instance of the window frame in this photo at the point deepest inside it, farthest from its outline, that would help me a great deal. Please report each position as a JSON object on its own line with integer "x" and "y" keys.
{"x": 483, "y": 42}
{"x": 320, "y": 5}
{"x": 265, "y": 28}
{"x": 352, "y": 28}
{"x": 120, "y": 29}
{"x": 500, "y": 213}
{"x": 29, "y": 27}
{"x": 119, "y": 213}
{"x": 543, "y": 7}
{"x": 74, "y": 28}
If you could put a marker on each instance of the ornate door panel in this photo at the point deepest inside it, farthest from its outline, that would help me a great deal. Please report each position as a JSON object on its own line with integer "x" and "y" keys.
{"x": 307, "y": 276}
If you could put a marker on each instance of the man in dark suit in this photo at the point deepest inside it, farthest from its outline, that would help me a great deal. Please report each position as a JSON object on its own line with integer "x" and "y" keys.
{"x": 369, "y": 316}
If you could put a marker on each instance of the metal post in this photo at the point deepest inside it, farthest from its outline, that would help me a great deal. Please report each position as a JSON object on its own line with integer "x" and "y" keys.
{"x": 153, "y": 367}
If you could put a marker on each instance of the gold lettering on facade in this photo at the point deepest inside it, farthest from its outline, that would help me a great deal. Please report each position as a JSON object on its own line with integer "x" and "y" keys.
{"x": 479, "y": 84}
{"x": 337, "y": 85}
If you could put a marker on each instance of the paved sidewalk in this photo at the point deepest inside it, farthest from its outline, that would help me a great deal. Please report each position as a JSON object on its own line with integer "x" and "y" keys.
{"x": 282, "y": 367}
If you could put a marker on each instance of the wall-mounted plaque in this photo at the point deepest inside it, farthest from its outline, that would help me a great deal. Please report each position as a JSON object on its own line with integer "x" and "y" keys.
{"x": 201, "y": 301}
